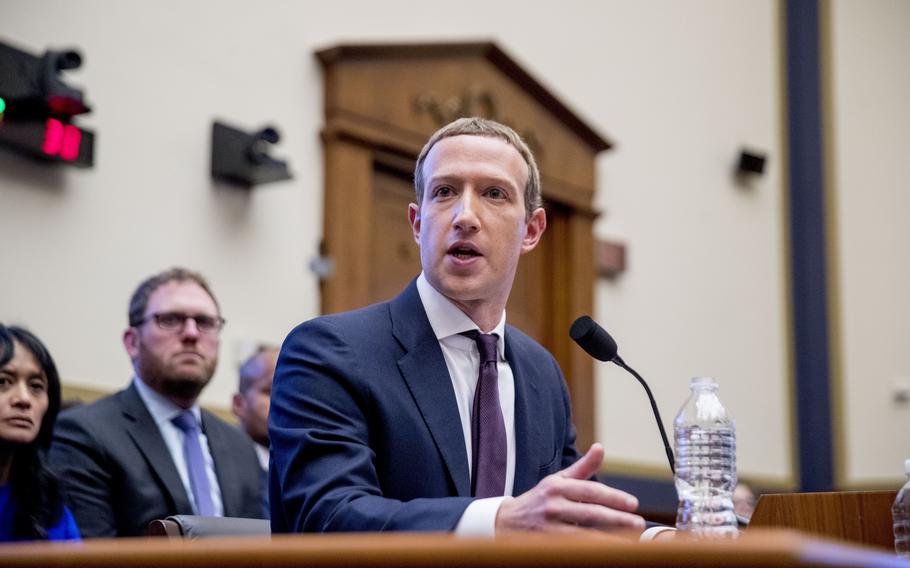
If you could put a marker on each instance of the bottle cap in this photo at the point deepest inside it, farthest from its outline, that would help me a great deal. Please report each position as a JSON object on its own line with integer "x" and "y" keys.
{"x": 703, "y": 382}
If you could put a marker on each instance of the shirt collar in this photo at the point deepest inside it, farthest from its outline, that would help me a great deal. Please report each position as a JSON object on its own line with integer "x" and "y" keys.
{"x": 262, "y": 453}
{"x": 448, "y": 320}
{"x": 161, "y": 409}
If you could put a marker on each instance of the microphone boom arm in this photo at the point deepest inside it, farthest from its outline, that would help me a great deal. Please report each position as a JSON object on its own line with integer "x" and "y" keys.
{"x": 660, "y": 424}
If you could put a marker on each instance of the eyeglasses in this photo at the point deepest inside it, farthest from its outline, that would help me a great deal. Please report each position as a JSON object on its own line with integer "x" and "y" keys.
{"x": 174, "y": 321}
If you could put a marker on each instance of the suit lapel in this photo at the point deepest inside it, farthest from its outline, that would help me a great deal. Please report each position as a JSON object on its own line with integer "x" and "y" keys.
{"x": 424, "y": 370}
{"x": 227, "y": 476}
{"x": 528, "y": 436}
{"x": 144, "y": 432}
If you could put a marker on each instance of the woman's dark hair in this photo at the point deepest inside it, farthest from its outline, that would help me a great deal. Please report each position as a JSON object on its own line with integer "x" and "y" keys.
{"x": 39, "y": 503}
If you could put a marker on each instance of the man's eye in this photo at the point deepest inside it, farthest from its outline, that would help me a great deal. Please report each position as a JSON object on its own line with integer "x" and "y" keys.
{"x": 443, "y": 192}
{"x": 170, "y": 319}
{"x": 496, "y": 193}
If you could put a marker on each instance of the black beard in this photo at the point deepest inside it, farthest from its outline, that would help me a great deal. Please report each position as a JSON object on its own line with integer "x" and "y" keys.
{"x": 182, "y": 387}
{"x": 174, "y": 386}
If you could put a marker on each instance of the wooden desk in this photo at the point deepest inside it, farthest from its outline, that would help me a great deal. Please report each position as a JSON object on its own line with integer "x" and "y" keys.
{"x": 755, "y": 548}
{"x": 861, "y": 517}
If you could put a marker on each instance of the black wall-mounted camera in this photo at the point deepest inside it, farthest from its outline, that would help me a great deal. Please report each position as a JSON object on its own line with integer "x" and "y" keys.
{"x": 243, "y": 158}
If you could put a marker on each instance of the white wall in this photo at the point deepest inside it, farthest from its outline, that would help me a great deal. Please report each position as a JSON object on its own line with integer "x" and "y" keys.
{"x": 871, "y": 191}
{"x": 679, "y": 85}
{"x": 705, "y": 291}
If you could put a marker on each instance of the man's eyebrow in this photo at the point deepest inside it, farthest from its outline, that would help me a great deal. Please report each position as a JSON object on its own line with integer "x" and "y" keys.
{"x": 456, "y": 179}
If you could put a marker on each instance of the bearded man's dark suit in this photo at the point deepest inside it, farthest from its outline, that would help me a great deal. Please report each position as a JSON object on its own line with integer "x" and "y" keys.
{"x": 117, "y": 473}
{"x": 364, "y": 427}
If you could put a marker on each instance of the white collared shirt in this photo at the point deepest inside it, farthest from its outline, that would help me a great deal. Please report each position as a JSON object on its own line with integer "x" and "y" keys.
{"x": 262, "y": 453}
{"x": 163, "y": 411}
{"x": 463, "y": 362}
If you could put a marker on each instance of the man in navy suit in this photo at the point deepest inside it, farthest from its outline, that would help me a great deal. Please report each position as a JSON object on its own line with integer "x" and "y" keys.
{"x": 428, "y": 412}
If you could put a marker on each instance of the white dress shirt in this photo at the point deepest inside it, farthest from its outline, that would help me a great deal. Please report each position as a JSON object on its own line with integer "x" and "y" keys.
{"x": 163, "y": 411}
{"x": 463, "y": 361}
{"x": 262, "y": 453}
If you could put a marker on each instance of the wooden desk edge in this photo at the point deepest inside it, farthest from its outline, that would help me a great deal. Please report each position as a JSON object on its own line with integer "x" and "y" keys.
{"x": 754, "y": 548}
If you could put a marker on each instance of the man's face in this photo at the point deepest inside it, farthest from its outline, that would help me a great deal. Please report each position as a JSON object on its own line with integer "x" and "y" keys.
{"x": 177, "y": 363}
{"x": 471, "y": 225}
{"x": 252, "y": 406}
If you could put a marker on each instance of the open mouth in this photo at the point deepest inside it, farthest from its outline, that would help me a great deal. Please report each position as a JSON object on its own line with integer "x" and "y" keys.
{"x": 464, "y": 251}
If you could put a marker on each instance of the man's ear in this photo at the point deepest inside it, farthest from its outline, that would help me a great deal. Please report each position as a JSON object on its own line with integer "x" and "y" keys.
{"x": 238, "y": 405}
{"x": 536, "y": 225}
{"x": 131, "y": 342}
{"x": 414, "y": 219}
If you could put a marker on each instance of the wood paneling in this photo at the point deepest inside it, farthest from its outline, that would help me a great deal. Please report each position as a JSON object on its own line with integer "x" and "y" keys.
{"x": 862, "y": 517}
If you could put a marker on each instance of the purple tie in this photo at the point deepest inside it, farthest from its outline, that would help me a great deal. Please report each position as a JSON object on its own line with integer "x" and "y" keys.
{"x": 488, "y": 429}
{"x": 195, "y": 463}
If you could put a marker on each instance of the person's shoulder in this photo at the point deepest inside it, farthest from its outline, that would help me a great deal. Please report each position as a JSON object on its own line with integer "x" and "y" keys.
{"x": 528, "y": 344}
{"x": 212, "y": 421}
{"x": 105, "y": 406}
{"x": 367, "y": 320}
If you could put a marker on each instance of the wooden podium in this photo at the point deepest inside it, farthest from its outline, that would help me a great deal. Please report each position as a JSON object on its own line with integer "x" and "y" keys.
{"x": 754, "y": 548}
{"x": 862, "y": 517}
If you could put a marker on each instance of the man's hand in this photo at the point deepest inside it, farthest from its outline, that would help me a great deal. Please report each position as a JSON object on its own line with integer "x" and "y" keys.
{"x": 567, "y": 500}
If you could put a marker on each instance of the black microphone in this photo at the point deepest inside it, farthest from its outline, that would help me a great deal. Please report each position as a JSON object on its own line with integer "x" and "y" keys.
{"x": 600, "y": 345}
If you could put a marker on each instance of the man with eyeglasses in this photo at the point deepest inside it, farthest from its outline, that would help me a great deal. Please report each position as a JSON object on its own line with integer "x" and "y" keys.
{"x": 149, "y": 451}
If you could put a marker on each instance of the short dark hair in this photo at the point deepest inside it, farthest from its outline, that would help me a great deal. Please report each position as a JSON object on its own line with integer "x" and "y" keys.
{"x": 251, "y": 369}
{"x": 140, "y": 299}
{"x": 476, "y": 126}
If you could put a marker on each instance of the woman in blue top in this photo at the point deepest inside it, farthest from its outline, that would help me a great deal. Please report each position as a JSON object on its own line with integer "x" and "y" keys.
{"x": 31, "y": 505}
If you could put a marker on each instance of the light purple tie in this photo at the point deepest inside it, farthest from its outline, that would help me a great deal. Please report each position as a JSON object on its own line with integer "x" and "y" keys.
{"x": 195, "y": 463}
{"x": 488, "y": 429}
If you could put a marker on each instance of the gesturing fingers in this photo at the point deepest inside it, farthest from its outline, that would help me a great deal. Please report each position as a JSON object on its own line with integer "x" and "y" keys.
{"x": 584, "y": 491}
{"x": 593, "y": 516}
{"x": 569, "y": 500}
{"x": 587, "y": 466}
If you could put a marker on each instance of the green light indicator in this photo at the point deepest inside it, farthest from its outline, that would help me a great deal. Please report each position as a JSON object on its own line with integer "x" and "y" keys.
{"x": 2, "y": 105}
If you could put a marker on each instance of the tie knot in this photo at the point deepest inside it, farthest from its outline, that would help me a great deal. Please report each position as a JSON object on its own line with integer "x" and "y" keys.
{"x": 486, "y": 345}
{"x": 185, "y": 421}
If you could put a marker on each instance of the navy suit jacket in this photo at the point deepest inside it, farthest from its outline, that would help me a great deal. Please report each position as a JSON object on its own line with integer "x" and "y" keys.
{"x": 364, "y": 427}
{"x": 117, "y": 473}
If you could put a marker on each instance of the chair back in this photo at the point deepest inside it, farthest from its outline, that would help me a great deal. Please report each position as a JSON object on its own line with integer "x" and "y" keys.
{"x": 196, "y": 526}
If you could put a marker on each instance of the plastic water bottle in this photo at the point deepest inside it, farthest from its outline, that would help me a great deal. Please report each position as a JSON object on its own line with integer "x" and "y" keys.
{"x": 705, "y": 443}
{"x": 900, "y": 512}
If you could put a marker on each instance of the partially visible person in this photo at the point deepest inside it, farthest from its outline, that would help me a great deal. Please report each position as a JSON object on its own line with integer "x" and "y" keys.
{"x": 251, "y": 407}
{"x": 31, "y": 505}
{"x": 744, "y": 500}
{"x": 149, "y": 451}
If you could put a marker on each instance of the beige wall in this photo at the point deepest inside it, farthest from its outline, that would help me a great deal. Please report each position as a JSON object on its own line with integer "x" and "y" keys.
{"x": 705, "y": 291}
{"x": 679, "y": 85}
{"x": 870, "y": 188}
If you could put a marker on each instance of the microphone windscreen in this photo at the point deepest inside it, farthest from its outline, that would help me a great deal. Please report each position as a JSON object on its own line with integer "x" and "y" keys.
{"x": 593, "y": 339}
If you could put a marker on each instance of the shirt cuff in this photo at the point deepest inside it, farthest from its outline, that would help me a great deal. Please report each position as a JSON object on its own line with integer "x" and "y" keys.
{"x": 479, "y": 519}
{"x": 651, "y": 533}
